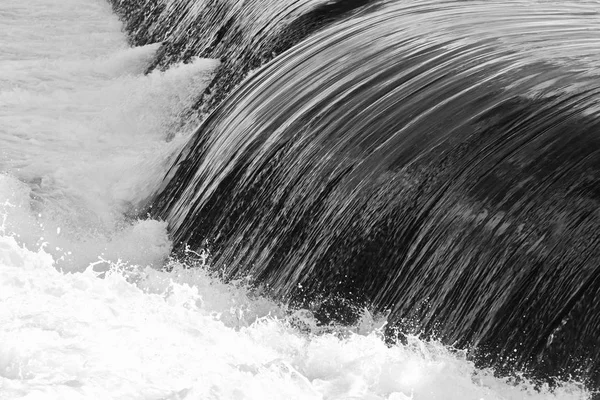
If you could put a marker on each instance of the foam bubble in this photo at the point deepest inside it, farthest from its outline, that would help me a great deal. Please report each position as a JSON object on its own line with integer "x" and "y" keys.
{"x": 142, "y": 333}
{"x": 85, "y": 135}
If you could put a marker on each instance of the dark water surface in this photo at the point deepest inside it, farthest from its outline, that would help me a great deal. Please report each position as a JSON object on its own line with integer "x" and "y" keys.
{"x": 436, "y": 160}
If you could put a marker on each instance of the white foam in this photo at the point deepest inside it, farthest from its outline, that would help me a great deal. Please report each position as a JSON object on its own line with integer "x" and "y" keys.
{"x": 85, "y": 130}
{"x": 141, "y": 333}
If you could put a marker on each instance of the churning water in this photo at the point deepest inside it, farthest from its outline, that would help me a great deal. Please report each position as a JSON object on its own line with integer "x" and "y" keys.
{"x": 86, "y": 311}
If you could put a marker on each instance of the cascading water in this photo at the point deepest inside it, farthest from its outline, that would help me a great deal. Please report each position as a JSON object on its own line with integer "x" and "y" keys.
{"x": 435, "y": 159}
{"x": 87, "y": 312}
{"x": 244, "y": 34}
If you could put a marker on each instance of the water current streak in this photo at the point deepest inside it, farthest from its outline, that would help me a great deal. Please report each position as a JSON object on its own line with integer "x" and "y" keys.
{"x": 243, "y": 34}
{"x": 436, "y": 159}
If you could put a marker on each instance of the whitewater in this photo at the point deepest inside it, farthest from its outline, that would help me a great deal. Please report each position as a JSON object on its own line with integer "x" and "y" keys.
{"x": 88, "y": 309}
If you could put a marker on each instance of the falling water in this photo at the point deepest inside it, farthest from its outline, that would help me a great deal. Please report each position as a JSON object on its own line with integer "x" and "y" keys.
{"x": 86, "y": 309}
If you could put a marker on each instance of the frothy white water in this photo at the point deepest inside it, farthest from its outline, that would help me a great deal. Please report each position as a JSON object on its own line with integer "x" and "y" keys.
{"x": 144, "y": 334}
{"x": 84, "y": 140}
{"x": 83, "y": 132}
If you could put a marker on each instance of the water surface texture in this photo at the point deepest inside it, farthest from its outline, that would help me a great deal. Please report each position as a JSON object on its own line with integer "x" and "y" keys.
{"x": 86, "y": 310}
{"x": 435, "y": 160}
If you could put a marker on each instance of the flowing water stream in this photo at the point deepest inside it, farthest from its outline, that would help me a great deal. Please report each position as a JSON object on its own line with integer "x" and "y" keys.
{"x": 86, "y": 310}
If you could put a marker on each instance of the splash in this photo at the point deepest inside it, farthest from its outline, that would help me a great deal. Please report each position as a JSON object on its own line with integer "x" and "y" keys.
{"x": 142, "y": 333}
{"x": 85, "y": 134}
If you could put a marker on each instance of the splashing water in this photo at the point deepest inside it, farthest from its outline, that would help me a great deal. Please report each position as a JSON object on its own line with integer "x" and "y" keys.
{"x": 84, "y": 133}
{"x": 84, "y": 140}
